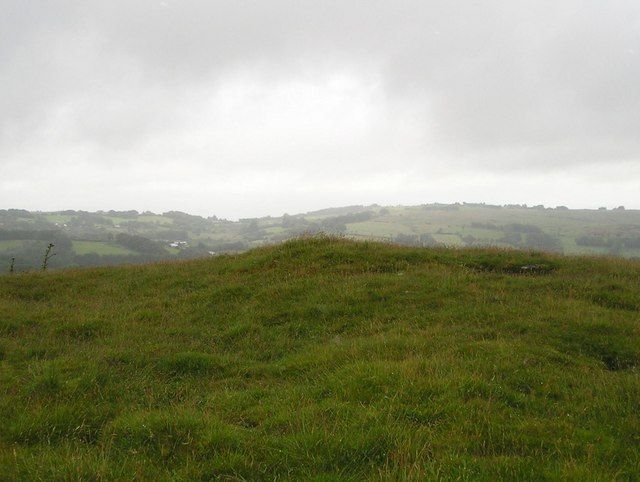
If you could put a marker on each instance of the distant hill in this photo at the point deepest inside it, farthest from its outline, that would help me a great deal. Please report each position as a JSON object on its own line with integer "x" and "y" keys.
{"x": 324, "y": 359}
{"x": 117, "y": 237}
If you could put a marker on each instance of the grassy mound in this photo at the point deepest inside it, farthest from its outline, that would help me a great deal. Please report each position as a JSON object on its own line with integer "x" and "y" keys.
{"x": 324, "y": 359}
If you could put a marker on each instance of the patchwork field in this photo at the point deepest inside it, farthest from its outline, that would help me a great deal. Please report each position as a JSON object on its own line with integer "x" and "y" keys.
{"x": 99, "y": 247}
{"x": 90, "y": 239}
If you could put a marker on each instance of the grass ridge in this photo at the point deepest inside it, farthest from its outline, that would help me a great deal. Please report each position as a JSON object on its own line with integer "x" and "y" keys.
{"x": 324, "y": 359}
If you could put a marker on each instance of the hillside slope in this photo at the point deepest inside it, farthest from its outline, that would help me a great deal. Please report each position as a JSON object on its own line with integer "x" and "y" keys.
{"x": 328, "y": 359}
{"x": 115, "y": 237}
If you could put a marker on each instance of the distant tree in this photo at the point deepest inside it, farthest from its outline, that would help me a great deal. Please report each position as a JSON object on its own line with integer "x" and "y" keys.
{"x": 139, "y": 243}
{"x": 407, "y": 239}
{"x": 477, "y": 225}
{"x": 468, "y": 239}
{"x": 339, "y": 223}
{"x": 632, "y": 242}
{"x": 543, "y": 242}
{"x": 180, "y": 215}
{"x": 521, "y": 228}
{"x": 249, "y": 225}
{"x": 592, "y": 241}
{"x": 89, "y": 259}
{"x": 616, "y": 247}
{"x": 22, "y": 213}
{"x": 427, "y": 239}
{"x": 512, "y": 239}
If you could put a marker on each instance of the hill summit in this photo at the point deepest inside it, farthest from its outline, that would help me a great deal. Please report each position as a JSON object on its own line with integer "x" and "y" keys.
{"x": 325, "y": 359}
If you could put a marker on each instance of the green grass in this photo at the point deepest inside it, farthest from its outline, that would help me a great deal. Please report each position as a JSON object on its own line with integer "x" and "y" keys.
{"x": 157, "y": 219}
{"x": 378, "y": 229}
{"x": 10, "y": 244}
{"x": 57, "y": 218}
{"x": 100, "y": 247}
{"x": 448, "y": 239}
{"x": 324, "y": 359}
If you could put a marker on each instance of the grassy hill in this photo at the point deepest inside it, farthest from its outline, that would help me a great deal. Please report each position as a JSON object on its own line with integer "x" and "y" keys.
{"x": 324, "y": 359}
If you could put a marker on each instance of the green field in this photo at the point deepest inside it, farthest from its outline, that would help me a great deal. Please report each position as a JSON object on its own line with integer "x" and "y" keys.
{"x": 154, "y": 219}
{"x": 449, "y": 239}
{"x": 100, "y": 247}
{"x": 57, "y": 218}
{"x": 379, "y": 229}
{"x": 8, "y": 245}
{"x": 324, "y": 359}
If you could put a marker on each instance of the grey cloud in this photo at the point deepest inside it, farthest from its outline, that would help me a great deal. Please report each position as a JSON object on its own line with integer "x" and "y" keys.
{"x": 491, "y": 86}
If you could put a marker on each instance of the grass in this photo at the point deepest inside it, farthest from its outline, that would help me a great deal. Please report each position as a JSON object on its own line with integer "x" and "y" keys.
{"x": 9, "y": 244}
{"x": 156, "y": 219}
{"x": 448, "y": 239}
{"x": 324, "y": 359}
{"x": 378, "y": 228}
{"x": 100, "y": 247}
{"x": 57, "y": 218}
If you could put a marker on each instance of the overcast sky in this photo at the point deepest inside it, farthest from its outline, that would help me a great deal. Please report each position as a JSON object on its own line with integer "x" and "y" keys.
{"x": 244, "y": 108}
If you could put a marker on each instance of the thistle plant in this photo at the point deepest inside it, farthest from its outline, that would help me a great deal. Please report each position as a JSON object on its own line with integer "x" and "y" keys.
{"x": 47, "y": 256}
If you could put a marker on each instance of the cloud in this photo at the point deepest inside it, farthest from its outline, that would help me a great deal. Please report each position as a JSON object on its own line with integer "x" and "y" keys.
{"x": 169, "y": 96}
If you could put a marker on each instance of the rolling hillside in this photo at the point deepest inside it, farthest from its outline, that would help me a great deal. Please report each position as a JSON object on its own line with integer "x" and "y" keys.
{"x": 324, "y": 359}
{"x": 116, "y": 237}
